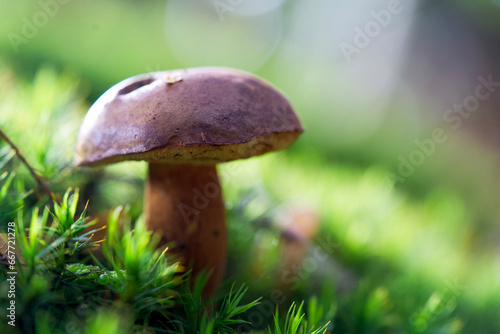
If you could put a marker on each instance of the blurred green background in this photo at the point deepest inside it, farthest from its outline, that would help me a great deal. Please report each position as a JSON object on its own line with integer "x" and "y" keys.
{"x": 410, "y": 224}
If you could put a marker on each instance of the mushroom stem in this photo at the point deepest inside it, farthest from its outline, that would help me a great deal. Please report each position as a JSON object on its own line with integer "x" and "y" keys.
{"x": 184, "y": 203}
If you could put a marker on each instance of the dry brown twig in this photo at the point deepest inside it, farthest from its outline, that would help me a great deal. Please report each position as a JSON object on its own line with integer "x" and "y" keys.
{"x": 44, "y": 187}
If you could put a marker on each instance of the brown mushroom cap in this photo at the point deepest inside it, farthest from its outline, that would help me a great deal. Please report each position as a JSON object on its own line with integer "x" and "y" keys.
{"x": 199, "y": 116}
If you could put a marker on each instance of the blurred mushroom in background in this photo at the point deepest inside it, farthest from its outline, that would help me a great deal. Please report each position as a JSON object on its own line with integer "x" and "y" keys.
{"x": 299, "y": 227}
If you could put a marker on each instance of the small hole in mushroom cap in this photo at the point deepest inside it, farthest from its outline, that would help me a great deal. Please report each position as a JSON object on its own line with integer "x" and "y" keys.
{"x": 135, "y": 85}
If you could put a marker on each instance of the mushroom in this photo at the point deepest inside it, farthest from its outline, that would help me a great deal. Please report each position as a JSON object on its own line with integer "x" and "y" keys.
{"x": 183, "y": 123}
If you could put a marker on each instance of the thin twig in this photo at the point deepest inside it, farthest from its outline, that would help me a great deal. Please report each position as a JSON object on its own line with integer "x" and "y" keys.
{"x": 37, "y": 178}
